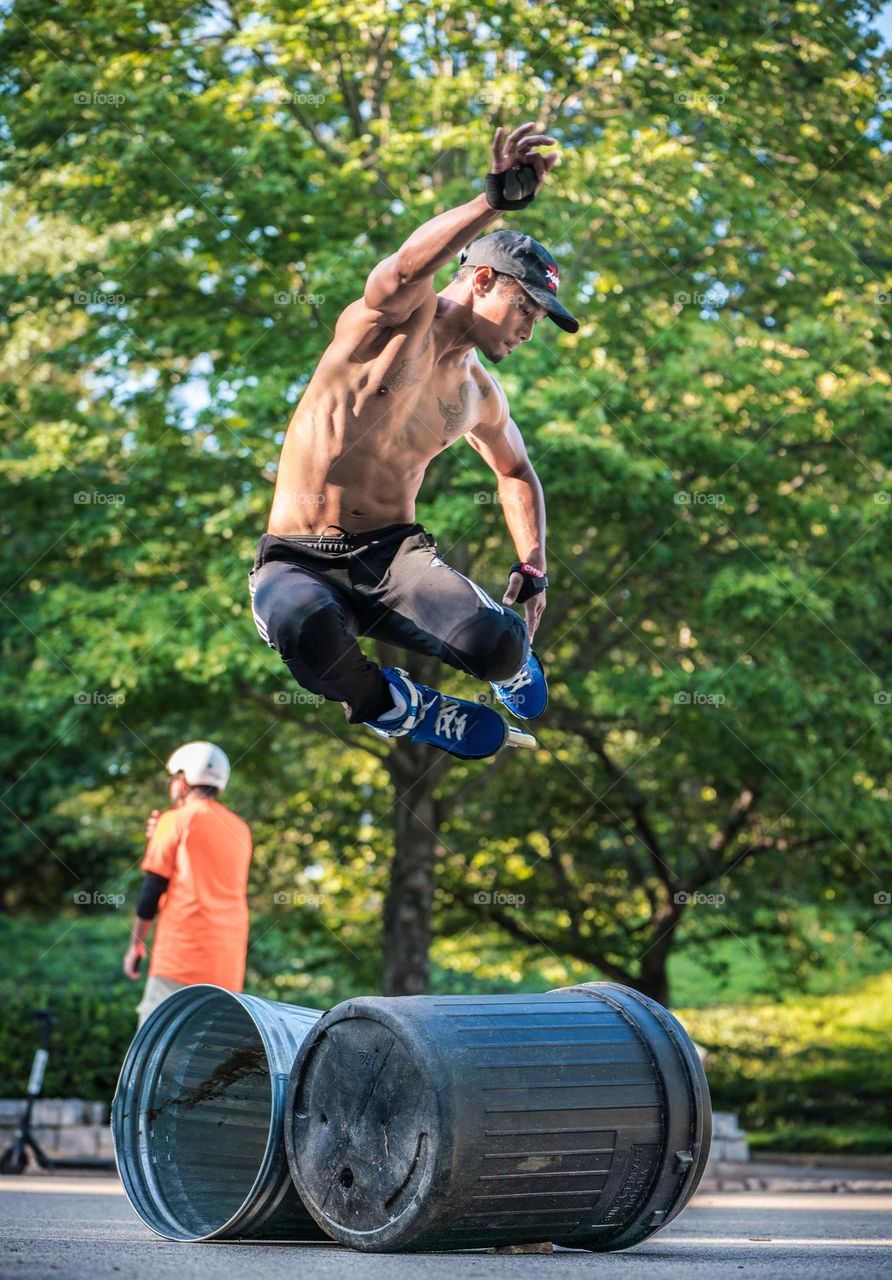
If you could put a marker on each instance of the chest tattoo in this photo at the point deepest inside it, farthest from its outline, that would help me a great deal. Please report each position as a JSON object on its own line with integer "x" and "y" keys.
{"x": 408, "y": 373}
{"x": 455, "y": 415}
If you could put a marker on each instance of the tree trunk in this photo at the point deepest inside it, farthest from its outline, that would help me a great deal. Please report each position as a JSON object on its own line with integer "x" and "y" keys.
{"x": 415, "y": 771}
{"x": 653, "y": 979}
{"x": 407, "y": 911}
{"x": 655, "y": 984}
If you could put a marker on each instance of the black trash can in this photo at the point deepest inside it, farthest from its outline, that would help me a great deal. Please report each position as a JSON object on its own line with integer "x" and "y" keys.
{"x": 197, "y": 1118}
{"x": 580, "y": 1116}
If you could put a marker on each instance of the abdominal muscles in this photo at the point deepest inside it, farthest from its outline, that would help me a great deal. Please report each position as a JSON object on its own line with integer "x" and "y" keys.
{"x": 339, "y": 470}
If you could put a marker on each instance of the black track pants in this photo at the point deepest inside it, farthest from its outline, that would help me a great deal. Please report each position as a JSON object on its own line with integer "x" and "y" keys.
{"x": 312, "y": 596}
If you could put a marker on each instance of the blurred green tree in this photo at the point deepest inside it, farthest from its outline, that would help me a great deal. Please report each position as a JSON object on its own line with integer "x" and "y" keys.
{"x": 192, "y": 196}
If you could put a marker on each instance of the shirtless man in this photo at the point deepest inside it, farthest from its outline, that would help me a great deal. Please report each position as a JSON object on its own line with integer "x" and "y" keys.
{"x": 400, "y": 382}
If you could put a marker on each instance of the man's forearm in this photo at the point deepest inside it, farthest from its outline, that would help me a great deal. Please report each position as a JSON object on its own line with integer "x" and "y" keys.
{"x": 523, "y": 503}
{"x": 140, "y": 930}
{"x": 438, "y": 241}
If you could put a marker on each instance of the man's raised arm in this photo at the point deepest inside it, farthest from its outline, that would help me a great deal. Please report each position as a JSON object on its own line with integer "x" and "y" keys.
{"x": 398, "y": 285}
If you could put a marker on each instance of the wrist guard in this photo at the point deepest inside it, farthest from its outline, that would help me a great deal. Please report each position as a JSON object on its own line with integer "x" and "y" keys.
{"x": 513, "y": 189}
{"x": 534, "y": 580}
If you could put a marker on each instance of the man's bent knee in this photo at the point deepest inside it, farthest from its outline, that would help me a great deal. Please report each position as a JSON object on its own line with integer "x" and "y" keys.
{"x": 297, "y": 620}
{"x": 492, "y": 646}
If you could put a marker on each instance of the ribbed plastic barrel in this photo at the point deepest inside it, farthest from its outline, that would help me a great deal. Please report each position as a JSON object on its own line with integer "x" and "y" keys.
{"x": 197, "y": 1118}
{"x": 580, "y": 1116}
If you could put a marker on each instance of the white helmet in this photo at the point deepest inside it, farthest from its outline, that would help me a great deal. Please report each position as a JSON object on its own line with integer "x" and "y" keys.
{"x": 201, "y": 763}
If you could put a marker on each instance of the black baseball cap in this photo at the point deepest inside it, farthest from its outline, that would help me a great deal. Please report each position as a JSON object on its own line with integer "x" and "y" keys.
{"x": 531, "y": 265}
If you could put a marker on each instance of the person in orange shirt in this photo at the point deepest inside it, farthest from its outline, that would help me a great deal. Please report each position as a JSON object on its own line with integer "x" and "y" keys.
{"x": 196, "y": 866}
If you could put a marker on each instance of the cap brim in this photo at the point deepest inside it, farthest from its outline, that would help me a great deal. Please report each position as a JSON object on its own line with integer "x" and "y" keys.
{"x": 558, "y": 313}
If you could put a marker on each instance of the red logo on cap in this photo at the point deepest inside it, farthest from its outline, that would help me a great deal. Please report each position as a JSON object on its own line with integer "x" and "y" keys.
{"x": 553, "y": 278}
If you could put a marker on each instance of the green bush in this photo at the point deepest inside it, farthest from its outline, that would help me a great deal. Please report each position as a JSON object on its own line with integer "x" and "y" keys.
{"x": 808, "y": 1063}
{"x": 89, "y": 1040}
{"x": 72, "y": 965}
{"x": 876, "y": 1142}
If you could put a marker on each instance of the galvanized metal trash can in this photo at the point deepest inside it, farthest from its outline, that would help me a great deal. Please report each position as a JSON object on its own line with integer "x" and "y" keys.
{"x": 197, "y": 1118}
{"x": 580, "y": 1116}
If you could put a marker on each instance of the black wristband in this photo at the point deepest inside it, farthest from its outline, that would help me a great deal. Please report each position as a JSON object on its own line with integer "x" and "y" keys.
{"x": 513, "y": 189}
{"x": 534, "y": 579}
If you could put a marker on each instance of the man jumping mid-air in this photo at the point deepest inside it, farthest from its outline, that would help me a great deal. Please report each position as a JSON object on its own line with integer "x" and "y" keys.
{"x": 400, "y": 382}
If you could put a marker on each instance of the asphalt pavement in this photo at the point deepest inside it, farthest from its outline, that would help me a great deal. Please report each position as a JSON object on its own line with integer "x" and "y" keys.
{"x": 84, "y": 1229}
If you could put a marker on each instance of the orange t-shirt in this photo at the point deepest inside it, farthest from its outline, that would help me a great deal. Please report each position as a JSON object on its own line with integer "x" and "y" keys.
{"x": 201, "y": 930}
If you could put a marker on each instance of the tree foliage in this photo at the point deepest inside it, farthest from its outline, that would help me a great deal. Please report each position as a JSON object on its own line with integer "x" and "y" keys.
{"x": 191, "y": 197}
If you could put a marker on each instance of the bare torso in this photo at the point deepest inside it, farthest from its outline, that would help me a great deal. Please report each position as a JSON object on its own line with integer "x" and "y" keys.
{"x": 381, "y": 404}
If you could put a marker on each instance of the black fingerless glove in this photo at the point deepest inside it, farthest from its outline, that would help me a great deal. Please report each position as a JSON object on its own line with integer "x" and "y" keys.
{"x": 534, "y": 580}
{"x": 513, "y": 189}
